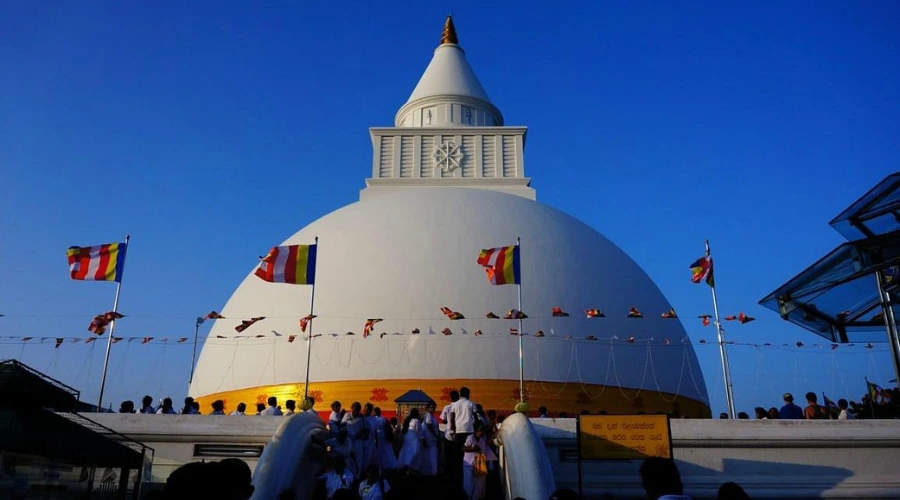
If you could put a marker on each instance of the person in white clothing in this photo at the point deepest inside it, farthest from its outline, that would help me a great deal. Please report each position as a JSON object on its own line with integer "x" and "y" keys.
{"x": 290, "y": 407}
{"x": 337, "y": 478}
{"x": 356, "y": 427}
{"x": 429, "y": 452}
{"x": 334, "y": 420}
{"x": 373, "y": 486}
{"x": 342, "y": 447}
{"x": 661, "y": 479}
{"x": 384, "y": 444}
{"x": 241, "y": 409}
{"x": 166, "y": 408}
{"x": 845, "y": 410}
{"x": 474, "y": 483}
{"x": 412, "y": 439}
{"x": 368, "y": 432}
{"x": 462, "y": 423}
{"x": 273, "y": 407}
{"x": 449, "y": 439}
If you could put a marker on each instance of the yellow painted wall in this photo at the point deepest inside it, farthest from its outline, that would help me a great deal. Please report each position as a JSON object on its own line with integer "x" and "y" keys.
{"x": 500, "y": 395}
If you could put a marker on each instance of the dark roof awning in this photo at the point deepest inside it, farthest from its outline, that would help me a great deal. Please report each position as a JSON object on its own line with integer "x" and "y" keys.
{"x": 876, "y": 213}
{"x": 57, "y": 437}
{"x": 24, "y": 387}
{"x": 413, "y": 397}
{"x": 837, "y": 297}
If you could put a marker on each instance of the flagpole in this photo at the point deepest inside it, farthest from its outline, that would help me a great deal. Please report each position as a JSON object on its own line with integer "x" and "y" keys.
{"x": 312, "y": 302}
{"x": 521, "y": 331}
{"x": 720, "y": 332}
{"x": 194, "y": 353}
{"x": 112, "y": 329}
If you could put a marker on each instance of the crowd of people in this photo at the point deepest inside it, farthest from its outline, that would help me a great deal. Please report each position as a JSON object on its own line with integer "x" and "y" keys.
{"x": 191, "y": 407}
{"x": 886, "y": 407}
{"x": 364, "y": 447}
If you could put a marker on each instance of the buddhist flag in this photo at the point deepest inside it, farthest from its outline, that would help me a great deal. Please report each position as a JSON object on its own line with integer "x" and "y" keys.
{"x": 304, "y": 322}
{"x": 451, "y": 314}
{"x": 97, "y": 263}
{"x": 491, "y": 315}
{"x": 670, "y": 314}
{"x": 702, "y": 269}
{"x": 741, "y": 318}
{"x": 294, "y": 264}
{"x": 59, "y": 341}
{"x": 633, "y": 312}
{"x": 370, "y": 323}
{"x": 705, "y": 318}
{"x": 182, "y": 340}
{"x": 501, "y": 265}
{"x": 247, "y": 323}
{"x": 209, "y": 315}
{"x": 101, "y": 321}
{"x": 515, "y": 314}
{"x": 146, "y": 340}
{"x": 291, "y": 338}
{"x": 594, "y": 313}
{"x": 557, "y": 312}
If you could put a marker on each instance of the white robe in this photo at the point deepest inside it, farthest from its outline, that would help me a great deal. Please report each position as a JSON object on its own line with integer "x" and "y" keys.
{"x": 346, "y": 451}
{"x": 474, "y": 485}
{"x": 429, "y": 453}
{"x": 368, "y": 445}
{"x": 354, "y": 427}
{"x": 335, "y": 481}
{"x": 384, "y": 449}
{"x": 409, "y": 454}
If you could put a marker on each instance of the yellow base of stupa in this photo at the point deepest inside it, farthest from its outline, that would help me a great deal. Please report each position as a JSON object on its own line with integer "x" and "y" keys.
{"x": 499, "y": 395}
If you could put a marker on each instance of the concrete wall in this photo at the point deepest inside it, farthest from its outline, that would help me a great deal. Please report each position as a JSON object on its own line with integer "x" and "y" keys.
{"x": 771, "y": 459}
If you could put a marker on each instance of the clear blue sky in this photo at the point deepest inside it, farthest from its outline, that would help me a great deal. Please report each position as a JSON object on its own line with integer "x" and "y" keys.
{"x": 213, "y": 130}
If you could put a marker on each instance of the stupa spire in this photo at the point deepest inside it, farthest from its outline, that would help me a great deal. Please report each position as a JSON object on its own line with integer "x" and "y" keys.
{"x": 449, "y": 34}
{"x": 449, "y": 94}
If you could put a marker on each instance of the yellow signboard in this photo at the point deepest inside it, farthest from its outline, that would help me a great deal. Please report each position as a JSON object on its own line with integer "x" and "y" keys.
{"x": 623, "y": 437}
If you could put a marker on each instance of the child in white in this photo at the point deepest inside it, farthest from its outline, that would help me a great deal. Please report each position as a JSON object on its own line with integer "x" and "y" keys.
{"x": 384, "y": 447}
{"x": 337, "y": 478}
{"x": 355, "y": 423}
{"x": 373, "y": 487}
{"x": 429, "y": 452}
{"x": 342, "y": 447}
{"x": 334, "y": 420}
{"x": 412, "y": 437}
{"x": 473, "y": 483}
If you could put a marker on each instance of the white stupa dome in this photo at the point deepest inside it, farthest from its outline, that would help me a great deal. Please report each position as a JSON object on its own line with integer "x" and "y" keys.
{"x": 408, "y": 248}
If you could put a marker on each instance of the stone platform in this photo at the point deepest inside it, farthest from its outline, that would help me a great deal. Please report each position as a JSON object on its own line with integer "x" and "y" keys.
{"x": 771, "y": 459}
